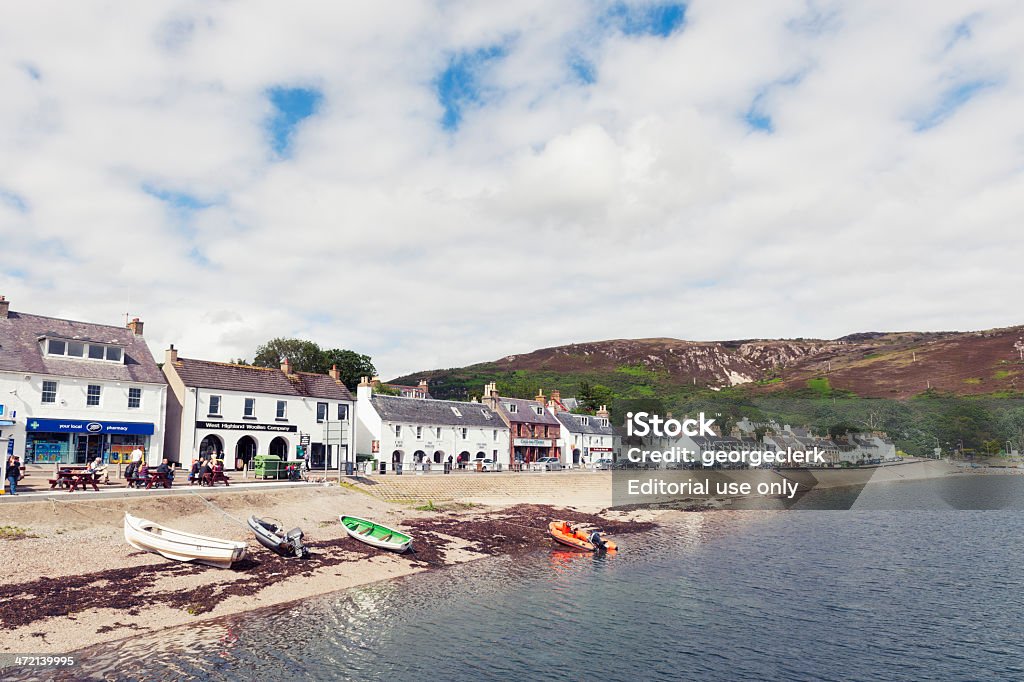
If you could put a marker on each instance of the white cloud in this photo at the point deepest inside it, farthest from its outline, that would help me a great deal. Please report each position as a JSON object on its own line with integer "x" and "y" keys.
{"x": 641, "y": 204}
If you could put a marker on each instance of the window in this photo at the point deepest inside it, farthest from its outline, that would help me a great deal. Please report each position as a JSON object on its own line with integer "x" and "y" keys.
{"x": 603, "y": 421}
{"x": 282, "y": 409}
{"x": 486, "y": 414}
{"x": 113, "y": 353}
{"x": 456, "y": 411}
{"x": 49, "y": 391}
{"x": 342, "y": 412}
{"x": 495, "y": 434}
{"x": 419, "y": 433}
{"x": 135, "y": 398}
{"x": 539, "y": 410}
{"x": 55, "y": 347}
{"x": 92, "y": 395}
{"x": 321, "y": 412}
{"x": 511, "y": 407}
{"x": 438, "y": 431}
{"x": 398, "y": 430}
{"x": 95, "y": 352}
{"x": 250, "y": 408}
{"x": 464, "y": 432}
{"x": 585, "y": 421}
{"x": 215, "y": 405}
{"x": 76, "y": 349}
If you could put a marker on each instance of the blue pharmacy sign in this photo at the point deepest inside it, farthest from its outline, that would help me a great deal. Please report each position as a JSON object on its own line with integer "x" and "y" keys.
{"x": 87, "y": 426}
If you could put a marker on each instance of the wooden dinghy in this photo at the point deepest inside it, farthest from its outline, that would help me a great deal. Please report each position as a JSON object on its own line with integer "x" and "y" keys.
{"x": 375, "y": 534}
{"x": 180, "y": 546}
{"x": 269, "y": 534}
{"x": 564, "y": 533}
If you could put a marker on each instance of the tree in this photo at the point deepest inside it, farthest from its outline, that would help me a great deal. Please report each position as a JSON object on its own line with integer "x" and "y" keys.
{"x": 591, "y": 398}
{"x": 350, "y": 364}
{"x": 305, "y": 356}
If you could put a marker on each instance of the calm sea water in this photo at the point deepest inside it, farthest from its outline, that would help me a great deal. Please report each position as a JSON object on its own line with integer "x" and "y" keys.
{"x": 801, "y": 595}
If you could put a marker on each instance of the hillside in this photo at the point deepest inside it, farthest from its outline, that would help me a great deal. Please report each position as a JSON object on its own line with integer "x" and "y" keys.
{"x": 873, "y": 364}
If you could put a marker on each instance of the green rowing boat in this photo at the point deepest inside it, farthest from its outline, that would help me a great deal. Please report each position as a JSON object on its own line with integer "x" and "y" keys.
{"x": 375, "y": 534}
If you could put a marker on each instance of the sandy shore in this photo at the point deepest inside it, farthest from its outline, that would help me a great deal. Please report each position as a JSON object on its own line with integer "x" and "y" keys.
{"x": 71, "y": 581}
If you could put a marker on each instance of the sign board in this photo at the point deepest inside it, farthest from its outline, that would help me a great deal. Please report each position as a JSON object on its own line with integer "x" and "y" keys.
{"x": 304, "y": 439}
{"x": 10, "y": 447}
{"x": 375, "y": 447}
{"x": 86, "y": 426}
{"x": 532, "y": 442}
{"x": 243, "y": 426}
{"x": 600, "y": 449}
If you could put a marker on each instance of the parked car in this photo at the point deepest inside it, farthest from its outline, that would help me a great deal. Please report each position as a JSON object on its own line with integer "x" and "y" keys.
{"x": 485, "y": 464}
{"x": 603, "y": 464}
{"x": 547, "y": 464}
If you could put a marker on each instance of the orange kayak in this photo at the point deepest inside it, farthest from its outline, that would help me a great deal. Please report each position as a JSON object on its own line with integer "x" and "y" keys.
{"x": 563, "y": 533}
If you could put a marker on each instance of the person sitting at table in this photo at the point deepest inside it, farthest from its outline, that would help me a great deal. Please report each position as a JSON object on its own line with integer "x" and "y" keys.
{"x": 205, "y": 472}
{"x": 98, "y": 468}
{"x": 166, "y": 469}
{"x": 193, "y": 474}
{"x": 142, "y": 475}
{"x": 129, "y": 473}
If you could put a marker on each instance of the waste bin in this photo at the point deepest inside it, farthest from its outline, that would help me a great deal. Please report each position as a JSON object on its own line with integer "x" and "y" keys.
{"x": 447, "y": 467}
{"x": 349, "y": 468}
{"x": 268, "y": 466}
{"x": 398, "y": 469}
{"x": 383, "y": 467}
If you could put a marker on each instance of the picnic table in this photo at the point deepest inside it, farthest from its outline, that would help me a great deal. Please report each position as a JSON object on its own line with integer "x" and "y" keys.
{"x": 158, "y": 478}
{"x": 72, "y": 479}
{"x": 212, "y": 479}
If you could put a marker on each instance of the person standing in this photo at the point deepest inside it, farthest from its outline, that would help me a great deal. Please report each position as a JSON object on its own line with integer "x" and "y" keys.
{"x": 13, "y": 473}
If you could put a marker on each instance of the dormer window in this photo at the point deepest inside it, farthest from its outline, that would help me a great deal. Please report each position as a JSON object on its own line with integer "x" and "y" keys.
{"x": 603, "y": 421}
{"x": 539, "y": 410}
{"x": 585, "y": 421}
{"x": 80, "y": 349}
{"x": 511, "y": 407}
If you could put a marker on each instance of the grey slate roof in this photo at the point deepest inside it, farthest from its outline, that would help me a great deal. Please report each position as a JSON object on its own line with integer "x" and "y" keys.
{"x": 525, "y": 412}
{"x": 575, "y": 425}
{"x": 247, "y": 379}
{"x": 21, "y": 350}
{"x": 429, "y": 411}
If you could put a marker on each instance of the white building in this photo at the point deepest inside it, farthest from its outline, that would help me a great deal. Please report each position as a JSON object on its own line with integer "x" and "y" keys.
{"x": 240, "y": 411}
{"x": 412, "y": 431}
{"x": 584, "y": 439}
{"x": 73, "y": 391}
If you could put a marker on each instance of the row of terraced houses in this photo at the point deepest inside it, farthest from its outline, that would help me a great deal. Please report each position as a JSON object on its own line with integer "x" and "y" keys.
{"x": 72, "y": 391}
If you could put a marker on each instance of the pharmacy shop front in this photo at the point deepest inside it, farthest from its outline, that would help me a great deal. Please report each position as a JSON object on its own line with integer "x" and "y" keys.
{"x": 79, "y": 441}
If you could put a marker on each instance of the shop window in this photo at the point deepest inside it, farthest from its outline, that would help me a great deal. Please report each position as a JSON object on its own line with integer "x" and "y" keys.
{"x": 113, "y": 354}
{"x": 56, "y": 347}
{"x": 134, "y": 398}
{"x": 49, "y": 391}
{"x": 96, "y": 352}
{"x": 76, "y": 349}
{"x": 282, "y": 409}
{"x": 321, "y": 413}
{"x": 92, "y": 395}
{"x": 250, "y": 408}
{"x": 214, "y": 406}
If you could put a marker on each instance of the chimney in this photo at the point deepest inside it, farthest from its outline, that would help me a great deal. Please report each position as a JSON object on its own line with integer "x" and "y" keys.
{"x": 490, "y": 396}
{"x": 4, "y": 307}
{"x": 286, "y": 366}
{"x": 540, "y": 398}
{"x": 335, "y": 374}
{"x": 375, "y": 382}
{"x": 556, "y": 395}
{"x": 364, "y": 381}
{"x": 135, "y": 326}
{"x": 423, "y": 387}
{"x": 603, "y": 412}
{"x": 170, "y": 355}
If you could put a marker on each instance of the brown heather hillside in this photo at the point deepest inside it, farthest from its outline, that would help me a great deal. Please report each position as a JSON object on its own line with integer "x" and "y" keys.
{"x": 873, "y": 364}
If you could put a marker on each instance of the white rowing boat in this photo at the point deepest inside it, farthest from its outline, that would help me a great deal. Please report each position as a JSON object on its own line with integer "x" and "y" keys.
{"x": 180, "y": 546}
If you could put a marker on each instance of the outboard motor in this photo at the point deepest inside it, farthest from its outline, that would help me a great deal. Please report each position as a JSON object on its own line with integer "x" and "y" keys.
{"x": 294, "y": 539}
{"x": 596, "y": 541}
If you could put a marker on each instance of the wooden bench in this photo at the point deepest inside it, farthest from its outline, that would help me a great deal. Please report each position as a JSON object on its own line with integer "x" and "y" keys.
{"x": 72, "y": 480}
{"x": 158, "y": 478}
{"x": 214, "y": 478}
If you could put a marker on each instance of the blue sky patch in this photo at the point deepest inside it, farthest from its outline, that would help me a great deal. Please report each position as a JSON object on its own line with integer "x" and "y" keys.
{"x": 15, "y": 201}
{"x": 291, "y": 107}
{"x": 582, "y": 68}
{"x": 179, "y": 201}
{"x": 657, "y": 19}
{"x": 460, "y": 85}
{"x": 950, "y": 102}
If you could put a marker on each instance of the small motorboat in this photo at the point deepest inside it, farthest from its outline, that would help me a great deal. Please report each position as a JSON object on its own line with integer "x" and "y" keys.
{"x": 376, "y": 534}
{"x": 564, "y": 533}
{"x": 180, "y": 546}
{"x": 269, "y": 534}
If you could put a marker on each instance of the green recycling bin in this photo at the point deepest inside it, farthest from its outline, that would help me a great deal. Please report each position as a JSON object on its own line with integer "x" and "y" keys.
{"x": 268, "y": 466}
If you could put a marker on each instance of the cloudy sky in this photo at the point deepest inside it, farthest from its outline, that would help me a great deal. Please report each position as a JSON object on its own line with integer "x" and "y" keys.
{"x": 441, "y": 183}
